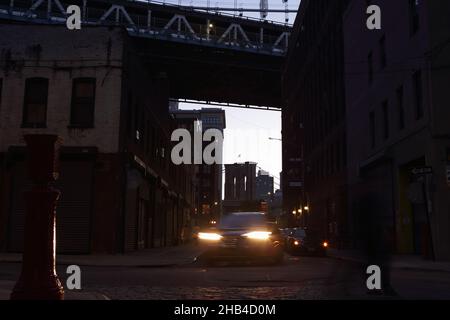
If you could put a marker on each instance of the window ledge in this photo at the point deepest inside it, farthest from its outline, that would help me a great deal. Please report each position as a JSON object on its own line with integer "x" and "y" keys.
{"x": 33, "y": 126}
{"x": 73, "y": 126}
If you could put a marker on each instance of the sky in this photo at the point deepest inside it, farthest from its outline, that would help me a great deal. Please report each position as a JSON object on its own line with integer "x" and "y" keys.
{"x": 246, "y": 137}
{"x": 252, "y": 4}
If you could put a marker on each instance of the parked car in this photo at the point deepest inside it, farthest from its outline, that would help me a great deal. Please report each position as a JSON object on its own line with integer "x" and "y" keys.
{"x": 285, "y": 234}
{"x": 307, "y": 242}
{"x": 242, "y": 236}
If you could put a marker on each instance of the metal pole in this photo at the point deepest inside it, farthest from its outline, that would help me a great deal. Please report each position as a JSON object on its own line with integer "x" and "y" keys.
{"x": 427, "y": 210}
{"x": 38, "y": 278}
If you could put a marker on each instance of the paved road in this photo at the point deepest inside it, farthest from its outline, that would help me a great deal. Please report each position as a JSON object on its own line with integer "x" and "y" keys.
{"x": 296, "y": 278}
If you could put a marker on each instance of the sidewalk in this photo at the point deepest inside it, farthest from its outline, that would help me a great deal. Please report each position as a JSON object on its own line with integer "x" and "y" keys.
{"x": 407, "y": 262}
{"x": 149, "y": 258}
{"x": 156, "y": 257}
{"x": 6, "y": 287}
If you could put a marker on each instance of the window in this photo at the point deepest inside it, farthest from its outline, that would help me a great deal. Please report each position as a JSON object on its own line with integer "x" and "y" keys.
{"x": 370, "y": 67}
{"x": 385, "y": 111}
{"x": 418, "y": 99}
{"x": 414, "y": 15}
{"x": 383, "y": 59}
{"x": 400, "y": 108}
{"x": 35, "y": 103}
{"x": 372, "y": 128}
{"x": 83, "y": 103}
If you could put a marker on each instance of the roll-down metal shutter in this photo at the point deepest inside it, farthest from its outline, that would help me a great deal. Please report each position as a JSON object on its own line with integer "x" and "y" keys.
{"x": 73, "y": 213}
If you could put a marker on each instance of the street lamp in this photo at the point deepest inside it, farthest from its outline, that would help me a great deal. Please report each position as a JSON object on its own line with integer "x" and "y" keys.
{"x": 306, "y": 208}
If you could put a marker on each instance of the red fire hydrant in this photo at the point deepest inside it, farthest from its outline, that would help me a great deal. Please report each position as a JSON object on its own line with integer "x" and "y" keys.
{"x": 38, "y": 279}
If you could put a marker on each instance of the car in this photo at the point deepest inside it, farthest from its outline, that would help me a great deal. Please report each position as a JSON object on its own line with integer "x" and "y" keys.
{"x": 242, "y": 236}
{"x": 306, "y": 242}
{"x": 285, "y": 234}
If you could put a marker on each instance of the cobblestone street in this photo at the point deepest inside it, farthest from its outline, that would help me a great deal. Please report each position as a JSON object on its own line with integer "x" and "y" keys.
{"x": 297, "y": 278}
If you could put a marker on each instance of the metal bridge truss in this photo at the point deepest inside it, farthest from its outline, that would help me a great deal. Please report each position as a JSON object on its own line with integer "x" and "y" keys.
{"x": 146, "y": 19}
{"x": 226, "y": 104}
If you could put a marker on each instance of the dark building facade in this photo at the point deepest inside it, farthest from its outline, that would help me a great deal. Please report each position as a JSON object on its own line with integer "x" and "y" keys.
{"x": 120, "y": 191}
{"x": 314, "y": 128}
{"x": 398, "y": 120}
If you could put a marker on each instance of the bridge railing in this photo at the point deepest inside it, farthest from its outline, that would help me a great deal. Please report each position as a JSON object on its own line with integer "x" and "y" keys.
{"x": 212, "y": 11}
{"x": 173, "y": 27}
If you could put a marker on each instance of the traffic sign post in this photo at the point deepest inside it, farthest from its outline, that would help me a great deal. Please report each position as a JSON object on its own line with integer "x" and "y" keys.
{"x": 422, "y": 171}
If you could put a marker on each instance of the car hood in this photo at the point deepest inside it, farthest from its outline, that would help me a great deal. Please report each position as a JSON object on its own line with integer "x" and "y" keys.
{"x": 236, "y": 232}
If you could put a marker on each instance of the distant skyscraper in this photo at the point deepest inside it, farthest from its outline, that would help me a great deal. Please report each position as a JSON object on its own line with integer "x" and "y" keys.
{"x": 264, "y": 185}
{"x": 208, "y": 177}
{"x": 173, "y": 105}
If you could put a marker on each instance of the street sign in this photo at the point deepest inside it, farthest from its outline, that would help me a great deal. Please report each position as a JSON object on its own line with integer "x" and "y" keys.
{"x": 422, "y": 171}
{"x": 295, "y": 184}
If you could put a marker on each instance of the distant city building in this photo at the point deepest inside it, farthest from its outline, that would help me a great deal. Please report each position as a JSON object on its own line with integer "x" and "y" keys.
{"x": 208, "y": 178}
{"x": 264, "y": 185}
{"x": 173, "y": 105}
{"x": 275, "y": 202}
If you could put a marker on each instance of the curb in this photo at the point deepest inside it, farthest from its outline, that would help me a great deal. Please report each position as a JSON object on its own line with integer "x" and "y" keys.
{"x": 362, "y": 262}
{"x": 115, "y": 265}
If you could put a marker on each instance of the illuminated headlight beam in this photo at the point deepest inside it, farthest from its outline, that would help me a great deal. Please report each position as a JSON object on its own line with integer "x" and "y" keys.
{"x": 209, "y": 236}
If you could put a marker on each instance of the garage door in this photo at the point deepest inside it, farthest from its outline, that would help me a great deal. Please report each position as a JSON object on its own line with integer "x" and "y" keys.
{"x": 73, "y": 214}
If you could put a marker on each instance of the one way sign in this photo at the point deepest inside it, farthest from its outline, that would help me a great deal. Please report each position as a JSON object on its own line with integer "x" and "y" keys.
{"x": 422, "y": 171}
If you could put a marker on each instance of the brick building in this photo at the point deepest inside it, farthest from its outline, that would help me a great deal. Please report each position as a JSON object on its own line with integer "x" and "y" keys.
{"x": 314, "y": 128}
{"x": 398, "y": 115}
{"x": 120, "y": 191}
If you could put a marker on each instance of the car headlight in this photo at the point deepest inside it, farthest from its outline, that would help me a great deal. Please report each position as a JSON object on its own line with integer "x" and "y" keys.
{"x": 258, "y": 235}
{"x": 209, "y": 236}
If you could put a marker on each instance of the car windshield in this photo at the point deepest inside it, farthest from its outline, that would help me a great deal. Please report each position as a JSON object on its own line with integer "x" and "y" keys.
{"x": 299, "y": 233}
{"x": 241, "y": 221}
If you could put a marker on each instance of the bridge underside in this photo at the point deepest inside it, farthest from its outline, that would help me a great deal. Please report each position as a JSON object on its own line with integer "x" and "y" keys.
{"x": 209, "y": 74}
{"x": 207, "y": 57}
